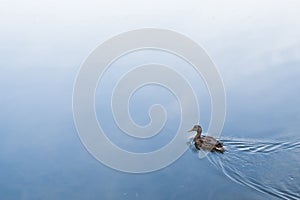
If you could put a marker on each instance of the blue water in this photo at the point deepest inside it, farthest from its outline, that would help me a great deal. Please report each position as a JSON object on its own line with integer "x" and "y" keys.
{"x": 270, "y": 167}
{"x": 257, "y": 54}
{"x": 43, "y": 158}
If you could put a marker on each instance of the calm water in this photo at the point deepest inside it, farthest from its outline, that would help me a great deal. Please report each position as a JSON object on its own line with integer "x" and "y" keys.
{"x": 256, "y": 49}
{"x": 42, "y": 157}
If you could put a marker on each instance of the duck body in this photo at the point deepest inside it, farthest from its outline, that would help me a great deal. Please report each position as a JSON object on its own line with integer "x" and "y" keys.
{"x": 206, "y": 143}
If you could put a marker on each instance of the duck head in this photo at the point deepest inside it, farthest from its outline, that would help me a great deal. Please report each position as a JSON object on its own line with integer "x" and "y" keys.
{"x": 197, "y": 128}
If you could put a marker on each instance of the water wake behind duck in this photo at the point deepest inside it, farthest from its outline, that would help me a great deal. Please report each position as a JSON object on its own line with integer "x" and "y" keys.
{"x": 270, "y": 167}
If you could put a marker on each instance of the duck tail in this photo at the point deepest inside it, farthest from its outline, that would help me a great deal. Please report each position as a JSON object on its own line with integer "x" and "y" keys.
{"x": 220, "y": 149}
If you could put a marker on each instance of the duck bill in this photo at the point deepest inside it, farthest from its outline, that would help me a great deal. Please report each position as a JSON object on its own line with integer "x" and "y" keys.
{"x": 190, "y": 130}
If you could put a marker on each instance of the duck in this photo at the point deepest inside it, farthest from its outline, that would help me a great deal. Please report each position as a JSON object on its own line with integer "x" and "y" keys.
{"x": 206, "y": 143}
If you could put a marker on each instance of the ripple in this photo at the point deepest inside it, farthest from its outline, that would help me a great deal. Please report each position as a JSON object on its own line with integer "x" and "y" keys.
{"x": 271, "y": 167}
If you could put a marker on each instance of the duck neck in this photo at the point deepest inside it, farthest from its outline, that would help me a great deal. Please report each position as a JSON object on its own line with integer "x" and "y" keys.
{"x": 198, "y": 135}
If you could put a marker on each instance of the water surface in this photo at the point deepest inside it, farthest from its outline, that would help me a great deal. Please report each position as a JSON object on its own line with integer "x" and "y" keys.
{"x": 268, "y": 166}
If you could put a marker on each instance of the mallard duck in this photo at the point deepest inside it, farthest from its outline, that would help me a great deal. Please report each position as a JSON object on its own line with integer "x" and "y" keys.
{"x": 206, "y": 142}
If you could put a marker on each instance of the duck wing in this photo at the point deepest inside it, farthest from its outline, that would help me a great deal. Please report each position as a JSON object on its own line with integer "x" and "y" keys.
{"x": 212, "y": 144}
{"x": 210, "y": 140}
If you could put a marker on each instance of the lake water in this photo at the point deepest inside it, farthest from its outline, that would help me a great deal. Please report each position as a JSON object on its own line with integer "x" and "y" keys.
{"x": 257, "y": 55}
{"x": 42, "y": 156}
